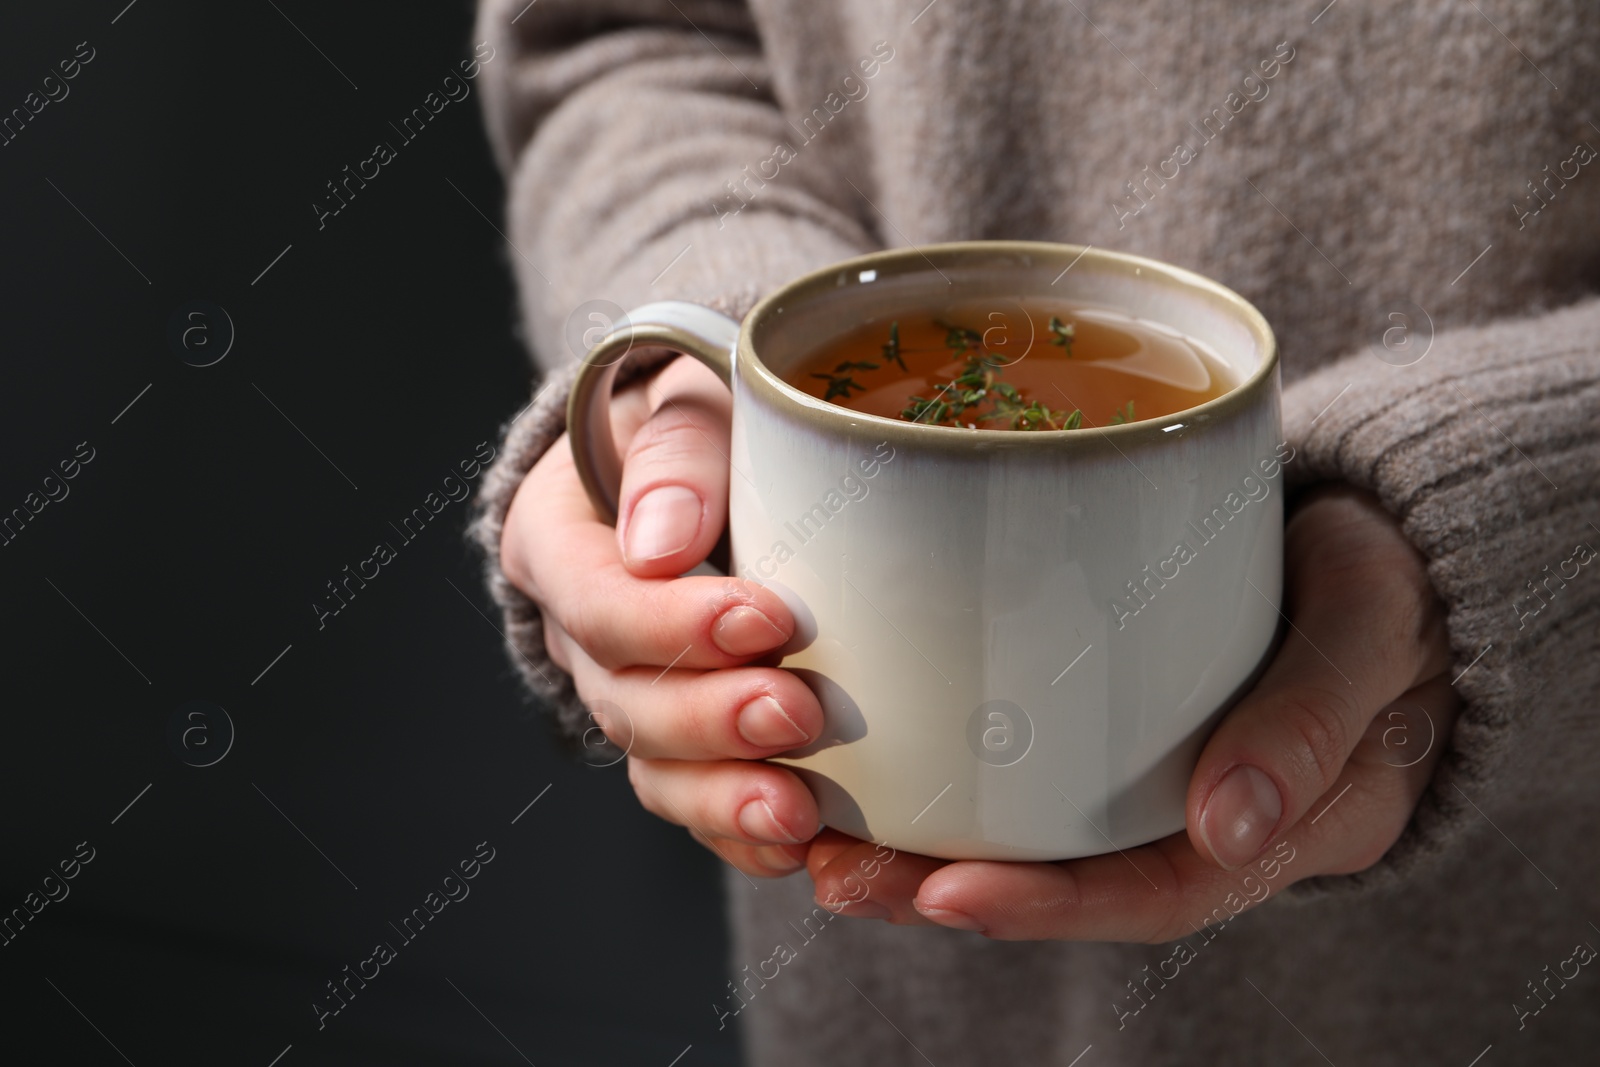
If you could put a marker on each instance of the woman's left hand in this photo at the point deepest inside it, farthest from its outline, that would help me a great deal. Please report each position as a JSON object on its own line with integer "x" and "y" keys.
{"x": 1324, "y": 761}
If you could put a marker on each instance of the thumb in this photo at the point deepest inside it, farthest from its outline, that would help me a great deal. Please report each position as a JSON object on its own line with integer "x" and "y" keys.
{"x": 1363, "y": 628}
{"x": 674, "y": 497}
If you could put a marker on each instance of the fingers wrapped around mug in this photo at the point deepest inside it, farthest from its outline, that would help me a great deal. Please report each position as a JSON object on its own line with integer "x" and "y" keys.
{"x": 555, "y": 549}
{"x": 704, "y": 621}
{"x": 1165, "y": 890}
{"x": 753, "y": 803}
{"x": 739, "y": 713}
{"x": 1365, "y": 628}
{"x": 756, "y": 861}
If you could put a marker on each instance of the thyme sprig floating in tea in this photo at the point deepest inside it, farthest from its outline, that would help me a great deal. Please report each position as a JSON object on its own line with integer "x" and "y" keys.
{"x": 839, "y": 381}
{"x": 891, "y": 348}
{"x": 958, "y": 339}
{"x": 943, "y": 367}
{"x": 1062, "y": 334}
{"x": 978, "y": 395}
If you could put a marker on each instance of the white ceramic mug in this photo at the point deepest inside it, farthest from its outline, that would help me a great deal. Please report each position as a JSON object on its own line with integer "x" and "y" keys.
{"x": 1020, "y": 639}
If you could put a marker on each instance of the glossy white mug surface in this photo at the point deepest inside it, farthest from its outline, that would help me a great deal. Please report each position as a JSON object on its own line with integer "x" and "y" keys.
{"x": 1020, "y": 639}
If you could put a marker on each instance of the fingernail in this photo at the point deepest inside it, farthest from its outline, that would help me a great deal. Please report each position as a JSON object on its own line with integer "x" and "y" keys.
{"x": 757, "y": 820}
{"x": 765, "y": 724}
{"x": 743, "y": 631}
{"x": 1243, "y": 809}
{"x": 776, "y": 858}
{"x": 663, "y": 521}
{"x": 955, "y": 920}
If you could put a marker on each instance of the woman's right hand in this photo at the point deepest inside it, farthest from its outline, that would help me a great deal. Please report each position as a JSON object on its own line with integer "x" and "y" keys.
{"x": 670, "y": 656}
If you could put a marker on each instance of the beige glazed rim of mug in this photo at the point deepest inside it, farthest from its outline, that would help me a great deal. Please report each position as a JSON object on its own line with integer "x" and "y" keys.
{"x": 824, "y": 415}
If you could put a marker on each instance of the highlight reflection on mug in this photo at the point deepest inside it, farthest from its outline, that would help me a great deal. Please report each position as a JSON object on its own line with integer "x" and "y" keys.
{"x": 999, "y": 733}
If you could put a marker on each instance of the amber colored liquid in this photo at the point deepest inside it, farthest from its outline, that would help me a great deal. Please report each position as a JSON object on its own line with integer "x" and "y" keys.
{"x": 1114, "y": 359}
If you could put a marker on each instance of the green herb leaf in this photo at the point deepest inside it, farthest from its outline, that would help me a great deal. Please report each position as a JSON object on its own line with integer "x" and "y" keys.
{"x": 841, "y": 386}
{"x": 959, "y": 339}
{"x": 891, "y": 348}
{"x": 1062, "y": 334}
{"x": 976, "y": 395}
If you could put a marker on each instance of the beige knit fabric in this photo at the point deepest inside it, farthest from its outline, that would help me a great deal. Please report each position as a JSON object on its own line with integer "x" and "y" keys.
{"x": 1337, "y": 165}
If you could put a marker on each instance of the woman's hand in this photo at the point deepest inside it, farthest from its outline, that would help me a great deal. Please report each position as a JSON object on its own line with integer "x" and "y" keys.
{"x": 1324, "y": 760}
{"x": 663, "y": 662}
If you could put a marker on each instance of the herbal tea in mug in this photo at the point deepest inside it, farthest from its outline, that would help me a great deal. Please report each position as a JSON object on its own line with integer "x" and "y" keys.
{"x": 984, "y": 692}
{"x": 1033, "y": 366}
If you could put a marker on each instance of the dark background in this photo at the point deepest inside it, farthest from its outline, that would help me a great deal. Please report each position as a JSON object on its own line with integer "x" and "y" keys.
{"x": 370, "y": 359}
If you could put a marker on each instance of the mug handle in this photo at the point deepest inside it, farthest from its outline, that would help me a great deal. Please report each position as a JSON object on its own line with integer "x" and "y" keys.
{"x": 684, "y": 328}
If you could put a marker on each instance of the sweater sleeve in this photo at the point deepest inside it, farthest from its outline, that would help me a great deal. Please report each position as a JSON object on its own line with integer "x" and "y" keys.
{"x": 621, "y": 126}
{"x": 1487, "y": 452}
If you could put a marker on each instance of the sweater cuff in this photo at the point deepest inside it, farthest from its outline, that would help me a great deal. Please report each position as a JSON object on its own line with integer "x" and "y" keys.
{"x": 1485, "y": 451}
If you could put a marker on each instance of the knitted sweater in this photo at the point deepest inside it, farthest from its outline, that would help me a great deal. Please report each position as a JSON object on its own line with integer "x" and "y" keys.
{"x": 1410, "y": 195}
